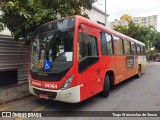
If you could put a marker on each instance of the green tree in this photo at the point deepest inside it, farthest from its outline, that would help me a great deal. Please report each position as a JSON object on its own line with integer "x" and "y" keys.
{"x": 152, "y": 54}
{"x": 21, "y": 17}
{"x": 156, "y": 42}
{"x": 1, "y": 26}
{"x": 144, "y": 34}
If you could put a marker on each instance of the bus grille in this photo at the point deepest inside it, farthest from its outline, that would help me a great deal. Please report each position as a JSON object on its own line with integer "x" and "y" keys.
{"x": 51, "y": 95}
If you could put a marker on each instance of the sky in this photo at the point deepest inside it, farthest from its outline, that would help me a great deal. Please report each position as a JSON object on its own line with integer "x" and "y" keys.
{"x": 134, "y": 8}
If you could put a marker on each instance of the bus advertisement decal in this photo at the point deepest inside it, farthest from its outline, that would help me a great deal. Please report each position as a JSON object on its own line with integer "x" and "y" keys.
{"x": 130, "y": 62}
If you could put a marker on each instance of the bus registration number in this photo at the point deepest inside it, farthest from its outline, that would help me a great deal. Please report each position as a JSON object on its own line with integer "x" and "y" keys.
{"x": 54, "y": 86}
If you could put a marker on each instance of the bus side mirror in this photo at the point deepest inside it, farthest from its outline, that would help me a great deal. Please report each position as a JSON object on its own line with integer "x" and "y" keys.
{"x": 85, "y": 38}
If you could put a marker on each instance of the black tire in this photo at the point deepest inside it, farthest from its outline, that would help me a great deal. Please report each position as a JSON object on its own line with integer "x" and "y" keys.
{"x": 139, "y": 72}
{"x": 106, "y": 87}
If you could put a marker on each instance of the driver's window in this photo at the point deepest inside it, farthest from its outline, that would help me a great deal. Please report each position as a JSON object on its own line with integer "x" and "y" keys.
{"x": 86, "y": 50}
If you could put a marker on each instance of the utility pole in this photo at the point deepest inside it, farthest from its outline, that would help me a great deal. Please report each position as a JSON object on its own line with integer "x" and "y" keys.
{"x": 99, "y": 3}
{"x": 105, "y": 13}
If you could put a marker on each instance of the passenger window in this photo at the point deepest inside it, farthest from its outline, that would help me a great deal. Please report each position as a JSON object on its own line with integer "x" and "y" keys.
{"x": 89, "y": 49}
{"x": 142, "y": 51}
{"x": 88, "y": 52}
{"x": 138, "y": 50}
{"x": 127, "y": 47}
{"x": 106, "y": 44}
{"x": 118, "y": 42}
{"x": 133, "y": 46}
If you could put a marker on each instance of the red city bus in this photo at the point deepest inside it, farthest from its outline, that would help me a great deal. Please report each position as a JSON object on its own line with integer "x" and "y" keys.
{"x": 74, "y": 58}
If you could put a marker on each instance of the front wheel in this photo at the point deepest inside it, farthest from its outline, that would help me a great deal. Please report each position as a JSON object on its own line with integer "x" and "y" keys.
{"x": 106, "y": 87}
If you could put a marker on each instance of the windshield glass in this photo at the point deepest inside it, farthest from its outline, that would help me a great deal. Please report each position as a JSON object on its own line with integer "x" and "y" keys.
{"x": 52, "y": 47}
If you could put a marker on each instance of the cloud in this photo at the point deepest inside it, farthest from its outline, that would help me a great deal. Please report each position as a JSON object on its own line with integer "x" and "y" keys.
{"x": 136, "y": 8}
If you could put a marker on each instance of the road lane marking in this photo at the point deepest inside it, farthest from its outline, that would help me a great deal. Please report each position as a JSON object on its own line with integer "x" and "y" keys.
{"x": 40, "y": 108}
{"x": 20, "y": 118}
{"x": 11, "y": 106}
{"x": 15, "y": 103}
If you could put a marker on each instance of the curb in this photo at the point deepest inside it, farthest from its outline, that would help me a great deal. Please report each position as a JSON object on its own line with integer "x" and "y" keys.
{"x": 14, "y": 92}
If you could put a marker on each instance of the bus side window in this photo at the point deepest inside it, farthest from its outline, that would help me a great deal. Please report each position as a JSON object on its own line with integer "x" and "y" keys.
{"x": 142, "y": 51}
{"x": 89, "y": 49}
{"x": 133, "y": 46}
{"x": 118, "y": 43}
{"x": 106, "y": 44}
{"x": 138, "y": 50}
{"x": 127, "y": 47}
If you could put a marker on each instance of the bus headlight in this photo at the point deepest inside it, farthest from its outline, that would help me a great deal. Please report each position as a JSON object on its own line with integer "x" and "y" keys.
{"x": 67, "y": 83}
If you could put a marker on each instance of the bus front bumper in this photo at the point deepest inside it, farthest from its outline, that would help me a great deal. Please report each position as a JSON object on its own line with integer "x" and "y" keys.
{"x": 71, "y": 95}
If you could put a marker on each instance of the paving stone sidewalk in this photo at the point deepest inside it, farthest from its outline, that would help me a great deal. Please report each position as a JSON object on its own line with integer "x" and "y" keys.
{"x": 13, "y": 92}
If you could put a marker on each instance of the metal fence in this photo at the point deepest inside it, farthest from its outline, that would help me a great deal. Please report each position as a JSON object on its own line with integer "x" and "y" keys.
{"x": 14, "y": 55}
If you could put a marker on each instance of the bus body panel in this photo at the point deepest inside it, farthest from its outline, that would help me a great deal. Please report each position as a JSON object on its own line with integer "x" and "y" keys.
{"x": 142, "y": 61}
{"x": 132, "y": 71}
{"x": 71, "y": 95}
{"x": 52, "y": 85}
{"x": 108, "y": 64}
{"x": 90, "y": 77}
{"x": 90, "y": 81}
{"x": 120, "y": 68}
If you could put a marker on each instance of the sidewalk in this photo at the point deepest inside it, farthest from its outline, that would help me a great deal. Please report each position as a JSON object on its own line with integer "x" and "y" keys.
{"x": 13, "y": 92}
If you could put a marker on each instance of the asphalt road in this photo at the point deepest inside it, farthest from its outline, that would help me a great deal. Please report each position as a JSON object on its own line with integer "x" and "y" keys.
{"x": 142, "y": 94}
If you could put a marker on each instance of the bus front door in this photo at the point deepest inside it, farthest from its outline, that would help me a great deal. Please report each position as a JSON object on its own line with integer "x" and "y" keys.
{"x": 89, "y": 63}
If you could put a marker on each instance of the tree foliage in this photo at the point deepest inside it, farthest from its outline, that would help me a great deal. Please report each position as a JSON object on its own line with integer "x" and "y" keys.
{"x": 147, "y": 35}
{"x": 21, "y": 17}
{"x": 1, "y": 26}
{"x": 156, "y": 43}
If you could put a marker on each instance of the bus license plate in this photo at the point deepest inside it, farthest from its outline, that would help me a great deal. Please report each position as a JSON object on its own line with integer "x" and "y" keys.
{"x": 43, "y": 96}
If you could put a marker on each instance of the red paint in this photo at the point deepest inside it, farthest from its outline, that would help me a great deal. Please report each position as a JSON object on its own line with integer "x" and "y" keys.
{"x": 91, "y": 80}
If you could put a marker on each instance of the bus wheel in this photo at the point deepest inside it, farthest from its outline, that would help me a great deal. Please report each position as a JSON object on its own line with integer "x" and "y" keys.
{"x": 106, "y": 87}
{"x": 139, "y": 72}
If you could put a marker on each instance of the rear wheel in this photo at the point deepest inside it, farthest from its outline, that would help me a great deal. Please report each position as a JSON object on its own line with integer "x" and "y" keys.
{"x": 106, "y": 87}
{"x": 139, "y": 72}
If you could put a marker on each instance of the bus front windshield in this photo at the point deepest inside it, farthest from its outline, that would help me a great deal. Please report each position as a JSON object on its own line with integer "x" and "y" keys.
{"x": 52, "y": 47}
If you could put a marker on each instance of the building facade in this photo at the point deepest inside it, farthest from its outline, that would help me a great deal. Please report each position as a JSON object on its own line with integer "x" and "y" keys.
{"x": 144, "y": 21}
{"x": 125, "y": 17}
{"x": 147, "y": 21}
{"x": 118, "y": 22}
{"x": 98, "y": 16}
{"x": 6, "y": 30}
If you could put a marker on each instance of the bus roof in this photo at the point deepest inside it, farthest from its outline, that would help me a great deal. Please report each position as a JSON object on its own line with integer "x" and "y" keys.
{"x": 101, "y": 27}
